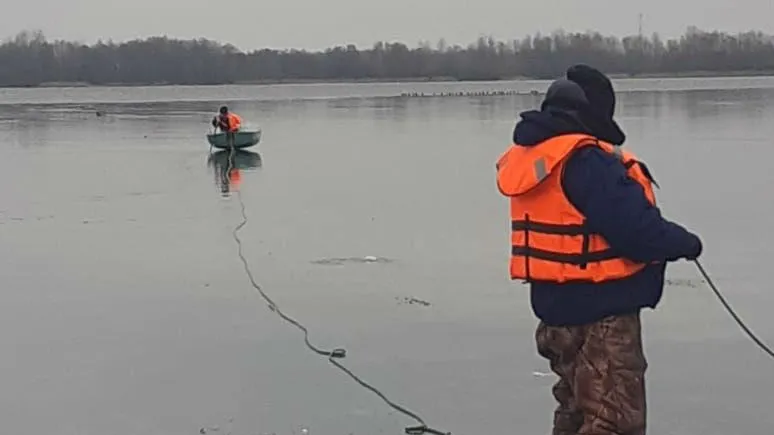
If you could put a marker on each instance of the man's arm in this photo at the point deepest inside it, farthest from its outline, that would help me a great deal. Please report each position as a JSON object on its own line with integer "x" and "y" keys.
{"x": 615, "y": 206}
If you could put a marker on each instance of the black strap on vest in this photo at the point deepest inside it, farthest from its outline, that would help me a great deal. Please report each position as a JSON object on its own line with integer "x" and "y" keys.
{"x": 526, "y": 228}
{"x": 585, "y": 245}
{"x": 580, "y": 259}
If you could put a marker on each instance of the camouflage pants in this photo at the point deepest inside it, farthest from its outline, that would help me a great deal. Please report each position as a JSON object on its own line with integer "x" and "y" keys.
{"x": 601, "y": 369}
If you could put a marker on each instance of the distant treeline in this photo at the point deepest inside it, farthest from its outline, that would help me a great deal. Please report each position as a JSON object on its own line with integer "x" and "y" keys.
{"x": 30, "y": 60}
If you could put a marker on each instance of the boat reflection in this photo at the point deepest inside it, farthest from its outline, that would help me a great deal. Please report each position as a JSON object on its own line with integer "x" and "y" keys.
{"x": 228, "y": 175}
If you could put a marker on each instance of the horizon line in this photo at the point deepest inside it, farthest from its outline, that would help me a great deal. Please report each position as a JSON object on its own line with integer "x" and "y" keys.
{"x": 419, "y": 44}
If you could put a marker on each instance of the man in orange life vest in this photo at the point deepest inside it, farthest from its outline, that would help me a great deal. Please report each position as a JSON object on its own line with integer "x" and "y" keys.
{"x": 227, "y": 121}
{"x": 589, "y": 238}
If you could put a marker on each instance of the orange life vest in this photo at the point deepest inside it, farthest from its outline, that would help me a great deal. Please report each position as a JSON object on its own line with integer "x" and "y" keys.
{"x": 549, "y": 239}
{"x": 233, "y": 121}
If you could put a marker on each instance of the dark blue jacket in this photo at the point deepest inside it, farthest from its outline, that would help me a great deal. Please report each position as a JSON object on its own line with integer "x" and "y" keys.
{"x": 615, "y": 206}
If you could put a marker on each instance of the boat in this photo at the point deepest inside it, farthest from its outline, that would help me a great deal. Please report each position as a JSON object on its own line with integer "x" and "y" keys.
{"x": 242, "y": 139}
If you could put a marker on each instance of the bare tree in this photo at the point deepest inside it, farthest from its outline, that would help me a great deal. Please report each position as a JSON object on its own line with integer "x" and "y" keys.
{"x": 28, "y": 59}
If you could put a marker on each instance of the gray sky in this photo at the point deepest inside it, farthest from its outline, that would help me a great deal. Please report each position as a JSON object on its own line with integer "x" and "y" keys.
{"x": 317, "y": 24}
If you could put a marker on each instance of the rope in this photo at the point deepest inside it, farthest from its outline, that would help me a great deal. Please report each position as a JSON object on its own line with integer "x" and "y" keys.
{"x": 730, "y": 310}
{"x": 332, "y": 355}
{"x": 339, "y": 353}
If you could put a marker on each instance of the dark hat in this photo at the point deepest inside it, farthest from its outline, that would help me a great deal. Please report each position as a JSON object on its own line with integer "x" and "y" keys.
{"x": 601, "y": 97}
{"x": 565, "y": 94}
{"x": 223, "y": 109}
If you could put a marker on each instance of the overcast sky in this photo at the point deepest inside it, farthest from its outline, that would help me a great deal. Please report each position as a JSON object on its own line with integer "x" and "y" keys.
{"x": 315, "y": 24}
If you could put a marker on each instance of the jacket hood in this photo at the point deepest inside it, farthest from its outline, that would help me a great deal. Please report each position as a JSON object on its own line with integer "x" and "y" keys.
{"x": 601, "y": 97}
{"x": 536, "y": 126}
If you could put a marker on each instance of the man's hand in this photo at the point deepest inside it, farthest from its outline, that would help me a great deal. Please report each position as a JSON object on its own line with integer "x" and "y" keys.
{"x": 696, "y": 250}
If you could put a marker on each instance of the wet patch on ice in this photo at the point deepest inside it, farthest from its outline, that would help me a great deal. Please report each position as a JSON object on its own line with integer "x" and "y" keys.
{"x": 408, "y": 300}
{"x": 684, "y": 282}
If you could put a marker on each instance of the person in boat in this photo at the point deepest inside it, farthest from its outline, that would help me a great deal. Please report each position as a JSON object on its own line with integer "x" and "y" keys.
{"x": 588, "y": 237}
{"x": 227, "y": 121}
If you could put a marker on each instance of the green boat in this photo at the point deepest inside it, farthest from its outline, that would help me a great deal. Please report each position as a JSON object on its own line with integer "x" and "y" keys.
{"x": 241, "y": 139}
